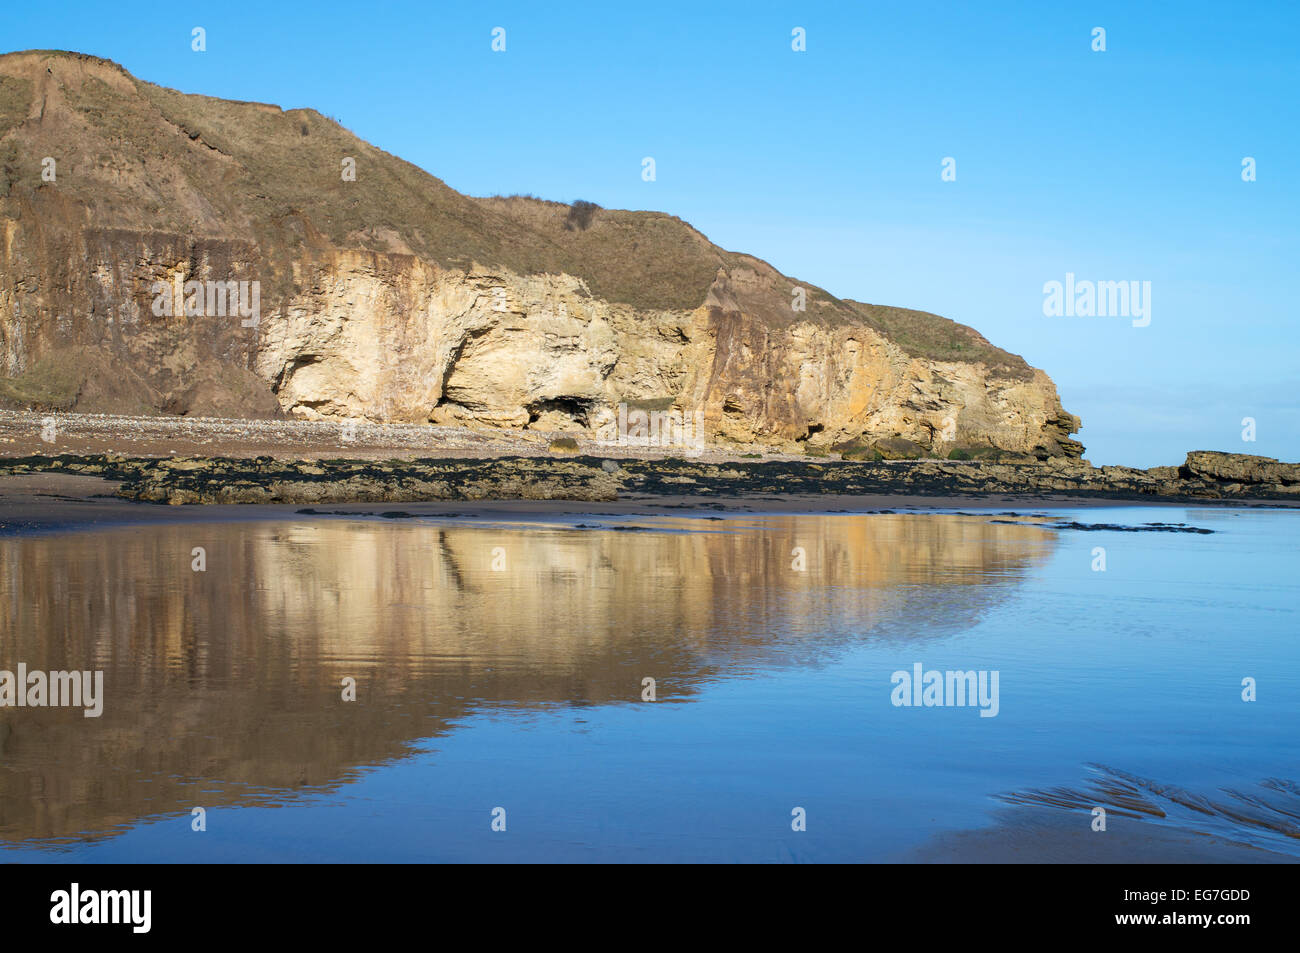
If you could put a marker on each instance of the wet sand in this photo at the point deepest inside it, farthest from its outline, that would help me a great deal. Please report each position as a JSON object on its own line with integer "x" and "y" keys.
{"x": 1040, "y": 836}
{"x": 44, "y": 502}
{"x": 48, "y": 501}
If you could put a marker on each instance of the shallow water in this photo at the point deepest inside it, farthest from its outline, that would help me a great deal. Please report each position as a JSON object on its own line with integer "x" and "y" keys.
{"x": 503, "y": 665}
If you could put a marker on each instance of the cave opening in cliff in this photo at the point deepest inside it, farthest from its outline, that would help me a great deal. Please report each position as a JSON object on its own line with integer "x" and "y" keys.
{"x": 577, "y": 408}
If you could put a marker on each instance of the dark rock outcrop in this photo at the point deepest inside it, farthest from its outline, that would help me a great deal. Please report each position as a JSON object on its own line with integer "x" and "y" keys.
{"x": 269, "y": 480}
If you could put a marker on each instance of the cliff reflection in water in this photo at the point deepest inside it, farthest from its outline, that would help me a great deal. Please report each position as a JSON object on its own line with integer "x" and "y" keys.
{"x": 223, "y": 686}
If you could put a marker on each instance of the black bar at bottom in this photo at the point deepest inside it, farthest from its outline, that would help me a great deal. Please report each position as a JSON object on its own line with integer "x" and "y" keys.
{"x": 651, "y": 903}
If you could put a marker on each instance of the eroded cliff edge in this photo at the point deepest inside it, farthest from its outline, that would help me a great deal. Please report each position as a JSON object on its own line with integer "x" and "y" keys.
{"x": 395, "y": 298}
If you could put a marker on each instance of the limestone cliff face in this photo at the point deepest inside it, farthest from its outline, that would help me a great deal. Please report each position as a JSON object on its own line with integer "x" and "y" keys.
{"x": 392, "y": 338}
{"x": 441, "y": 308}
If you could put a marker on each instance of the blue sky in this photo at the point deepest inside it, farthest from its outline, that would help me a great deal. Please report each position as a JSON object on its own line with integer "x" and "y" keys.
{"x": 1116, "y": 165}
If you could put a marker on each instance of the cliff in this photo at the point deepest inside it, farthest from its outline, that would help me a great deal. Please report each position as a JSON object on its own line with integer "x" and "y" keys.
{"x": 392, "y": 297}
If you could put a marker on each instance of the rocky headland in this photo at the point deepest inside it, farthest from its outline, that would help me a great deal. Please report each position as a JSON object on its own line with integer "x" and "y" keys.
{"x": 209, "y": 301}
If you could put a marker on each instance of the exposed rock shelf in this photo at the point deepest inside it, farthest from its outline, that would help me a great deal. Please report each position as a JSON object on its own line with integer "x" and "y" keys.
{"x": 1205, "y": 476}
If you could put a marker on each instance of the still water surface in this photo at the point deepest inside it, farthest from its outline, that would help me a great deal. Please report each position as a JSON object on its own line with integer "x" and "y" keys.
{"x": 521, "y": 686}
